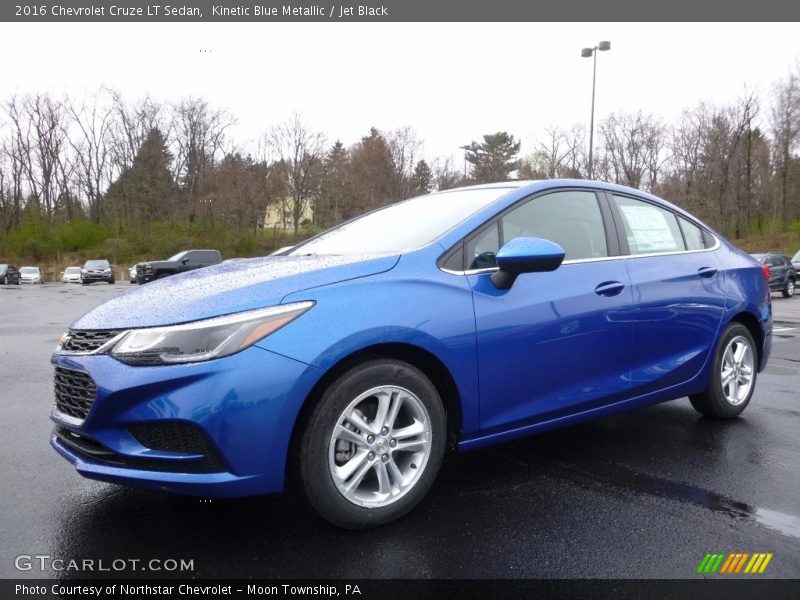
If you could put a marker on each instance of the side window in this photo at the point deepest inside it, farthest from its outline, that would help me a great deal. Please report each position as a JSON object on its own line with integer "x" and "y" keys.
{"x": 571, "y": 219}
{"x": 649, "y": 228}
{"x": 482, "y": 248}
{"x": 692, "y": 234}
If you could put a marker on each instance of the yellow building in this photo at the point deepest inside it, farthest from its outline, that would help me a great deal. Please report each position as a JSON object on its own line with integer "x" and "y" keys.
{"x": 278, "y": 215}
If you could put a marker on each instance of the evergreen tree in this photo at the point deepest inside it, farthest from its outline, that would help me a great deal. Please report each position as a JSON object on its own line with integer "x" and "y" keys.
{"x": 143, "y": 192}
{"x": 493, "y": 159}
{"x": 335, "y": 195}
{"x": 422, "y": 180}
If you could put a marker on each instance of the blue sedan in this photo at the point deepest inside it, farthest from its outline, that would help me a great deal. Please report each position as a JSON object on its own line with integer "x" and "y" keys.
{"x": 354, "y": 361}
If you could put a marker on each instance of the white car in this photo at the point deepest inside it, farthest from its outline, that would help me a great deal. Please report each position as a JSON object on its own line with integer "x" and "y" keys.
{"x": 31, "y": 275}
{"x": 132, "y": 274}
{"x": 71, "y": 275}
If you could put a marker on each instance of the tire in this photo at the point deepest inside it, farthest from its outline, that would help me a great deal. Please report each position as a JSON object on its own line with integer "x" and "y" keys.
{"x": 111, "y": 282}
{"x": 387, "y": 480}
{"x": 724, "y": 401}
{"x": 788, "y": 291}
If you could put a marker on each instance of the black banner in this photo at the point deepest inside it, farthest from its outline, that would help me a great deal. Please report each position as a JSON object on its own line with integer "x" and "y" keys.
{"x": 397, "y": 10}
{"x": 435, "y": 589}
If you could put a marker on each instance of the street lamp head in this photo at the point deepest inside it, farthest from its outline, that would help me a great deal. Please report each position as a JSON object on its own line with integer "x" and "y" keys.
{"x": 604, "y": 46}
{"x": 587, "y": 52}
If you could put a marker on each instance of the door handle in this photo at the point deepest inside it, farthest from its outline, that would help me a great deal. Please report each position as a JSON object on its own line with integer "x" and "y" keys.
{"x": 609, "y": 288}
{"x": 706, "y": 272}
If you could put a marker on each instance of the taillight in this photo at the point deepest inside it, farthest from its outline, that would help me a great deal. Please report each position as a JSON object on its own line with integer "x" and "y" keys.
{"x": 765, "y": 271}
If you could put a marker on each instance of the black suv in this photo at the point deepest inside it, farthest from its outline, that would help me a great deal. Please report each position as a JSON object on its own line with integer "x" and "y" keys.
{"x": 97, "y": 270}
{"x": 180, "y": 263}
{"x": 9, "y": 274}
{"x": 782, "y": 275}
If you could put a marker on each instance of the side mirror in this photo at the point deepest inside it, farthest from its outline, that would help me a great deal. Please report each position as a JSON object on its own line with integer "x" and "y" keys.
{"x": 525, "y": 255}
{"x": 184, "y": 261}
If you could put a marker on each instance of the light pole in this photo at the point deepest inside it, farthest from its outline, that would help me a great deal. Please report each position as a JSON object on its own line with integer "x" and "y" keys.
{"x": 586, "y": 53}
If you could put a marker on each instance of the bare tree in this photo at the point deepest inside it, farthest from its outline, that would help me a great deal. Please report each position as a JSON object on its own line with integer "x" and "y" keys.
{"x": 633, "y": 145}
{"x": 405, "y": 149}
{"x": 198, "y": 133}
{"x": 300, "y": 152}
{"x": 94, "y": 120}
{"x": 785, "y": 127}
{"x": 39, "y": 139}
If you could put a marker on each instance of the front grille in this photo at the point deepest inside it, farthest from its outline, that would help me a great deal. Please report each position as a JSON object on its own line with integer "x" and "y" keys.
{"x": 75, "y": 392}
{"x": 88, "y": 340}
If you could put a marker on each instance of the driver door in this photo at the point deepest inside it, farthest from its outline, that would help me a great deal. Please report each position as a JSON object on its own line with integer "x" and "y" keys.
{"x": 559, "y": 342}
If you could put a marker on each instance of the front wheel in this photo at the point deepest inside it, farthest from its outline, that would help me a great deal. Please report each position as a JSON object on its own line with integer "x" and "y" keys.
{"x": 788, "y": 291}
{"x": 733, "y": 375}
{"x": 373, "y": 444}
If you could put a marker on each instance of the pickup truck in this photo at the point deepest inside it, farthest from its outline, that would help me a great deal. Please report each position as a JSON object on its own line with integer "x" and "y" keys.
{"x": 180, "y": 263}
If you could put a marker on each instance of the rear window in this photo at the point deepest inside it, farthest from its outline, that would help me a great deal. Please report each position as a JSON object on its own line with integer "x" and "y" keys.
{"x": 692, "y": 235}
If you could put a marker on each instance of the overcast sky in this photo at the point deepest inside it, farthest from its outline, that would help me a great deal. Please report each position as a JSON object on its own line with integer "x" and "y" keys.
{"x": 451, "y": 82}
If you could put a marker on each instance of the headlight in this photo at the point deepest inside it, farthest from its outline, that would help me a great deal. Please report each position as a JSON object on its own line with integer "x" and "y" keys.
{"x": 204, "y": 340}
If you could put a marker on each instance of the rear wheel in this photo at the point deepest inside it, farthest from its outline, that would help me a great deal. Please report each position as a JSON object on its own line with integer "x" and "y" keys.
{"x": 733, "y": 375}
{"x": 788, "y": 291}
{"x": 373, "y": 445}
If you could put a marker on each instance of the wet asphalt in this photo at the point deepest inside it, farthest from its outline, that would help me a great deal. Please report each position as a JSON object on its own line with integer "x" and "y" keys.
{"x": 640, "y": 495}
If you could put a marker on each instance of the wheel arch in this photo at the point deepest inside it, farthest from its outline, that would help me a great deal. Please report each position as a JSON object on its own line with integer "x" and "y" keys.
{"x": 751, "y": 323}
{"x": 430, "y": 365}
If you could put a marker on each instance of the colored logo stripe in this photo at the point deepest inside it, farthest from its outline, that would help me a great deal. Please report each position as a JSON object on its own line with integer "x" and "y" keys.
{"x": 734, "y": 562}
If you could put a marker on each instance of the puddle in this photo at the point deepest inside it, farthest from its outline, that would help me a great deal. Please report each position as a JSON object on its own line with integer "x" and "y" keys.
{"x": 641, "y": 483}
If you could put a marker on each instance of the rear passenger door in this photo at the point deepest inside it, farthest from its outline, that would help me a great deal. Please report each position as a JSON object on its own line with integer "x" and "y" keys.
{"x": 678, "y": 292}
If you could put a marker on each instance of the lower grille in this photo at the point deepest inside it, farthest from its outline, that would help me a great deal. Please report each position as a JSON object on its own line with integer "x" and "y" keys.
{"x": 89, "y": 447}
{"x": 177, "y": 436}
{"x": 75, "y": 392}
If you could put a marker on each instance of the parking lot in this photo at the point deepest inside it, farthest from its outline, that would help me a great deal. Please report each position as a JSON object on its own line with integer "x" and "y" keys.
{"x": 644, "y": 494}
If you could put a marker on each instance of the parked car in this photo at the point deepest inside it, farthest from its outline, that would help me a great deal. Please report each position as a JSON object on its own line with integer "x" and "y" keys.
{"x": 71, "y": 275}
{"x": 188, "y": 260}
{"x": 454, "y": 320}
{"x": 31, "y": 275}
{"x": 796, "y": 261}
{"x": 9, "y": 274}
{"x": 782, "y": 275}
{"x": 132, "y": 274}
{"x": 97, "y": 270}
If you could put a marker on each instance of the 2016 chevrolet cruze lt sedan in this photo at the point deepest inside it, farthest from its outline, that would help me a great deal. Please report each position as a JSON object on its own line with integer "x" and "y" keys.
{"x": 453, "y": 320}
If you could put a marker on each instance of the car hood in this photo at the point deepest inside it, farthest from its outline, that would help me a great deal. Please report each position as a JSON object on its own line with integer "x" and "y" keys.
{"x": 228, "y": 288}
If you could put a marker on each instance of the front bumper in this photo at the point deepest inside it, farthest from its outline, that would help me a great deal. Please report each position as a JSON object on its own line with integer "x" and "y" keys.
{"x": 244, "y": 405}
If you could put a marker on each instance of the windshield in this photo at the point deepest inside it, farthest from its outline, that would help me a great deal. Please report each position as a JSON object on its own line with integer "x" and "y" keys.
{"x": 796, "y": 257}
{"x": 403, "y": 226}
{"x": 96, "y": 264}
{"x": 178, "y": 256}
{"x": 29, "y": 270}
{"x": 73, "y": 270}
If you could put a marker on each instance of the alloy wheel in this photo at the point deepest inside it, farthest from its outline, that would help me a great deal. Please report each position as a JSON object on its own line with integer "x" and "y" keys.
{"x": 380, "y": 446}
{"x": 737, "y": 370}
